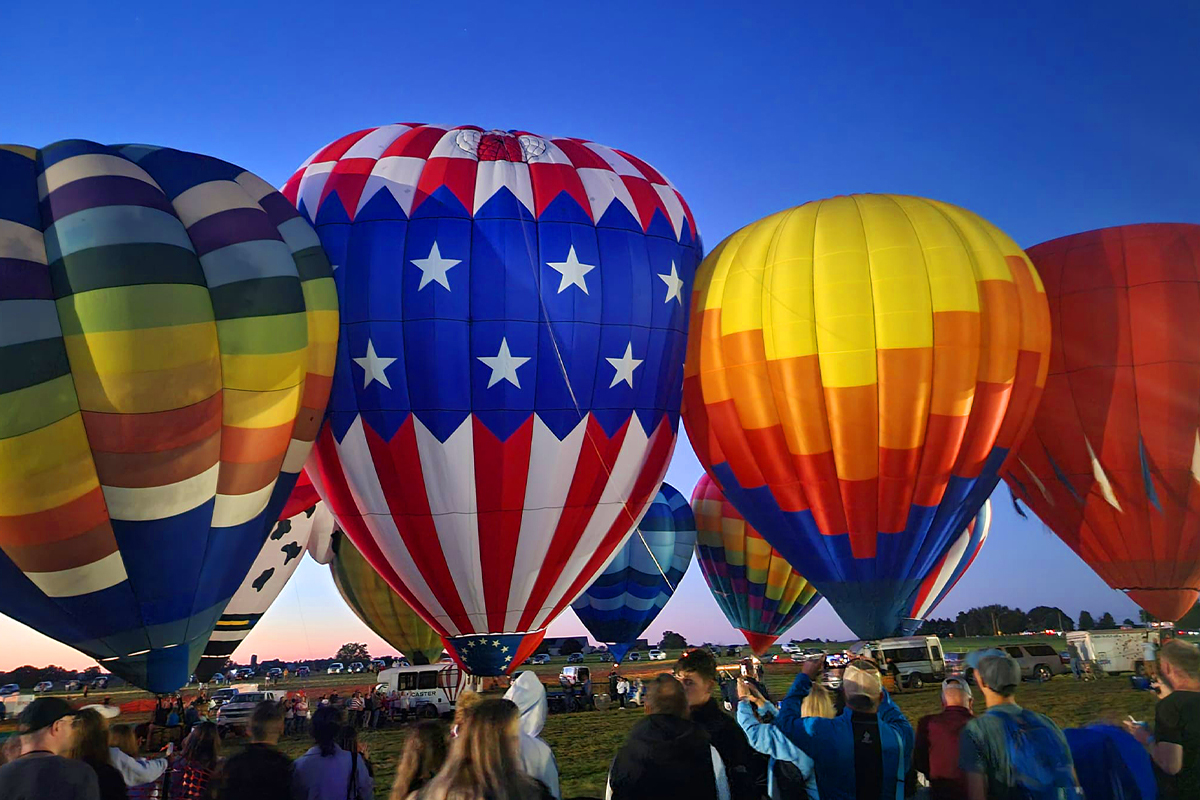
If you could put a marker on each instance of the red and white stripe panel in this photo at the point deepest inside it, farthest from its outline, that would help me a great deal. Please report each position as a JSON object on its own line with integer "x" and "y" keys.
{"x": 484, "y": 536}
{"x": 954, "y": 564}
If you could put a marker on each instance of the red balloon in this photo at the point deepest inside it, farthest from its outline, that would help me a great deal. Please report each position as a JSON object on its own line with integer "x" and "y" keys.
{"x": 1112, "y": 462}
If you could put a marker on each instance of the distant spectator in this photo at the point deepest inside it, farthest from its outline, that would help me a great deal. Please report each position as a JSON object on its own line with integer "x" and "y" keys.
{"x": 41, "y": 771}
{"x": 935, "y": 754}
{"x": 1175, "y": 746}
{"x": 89, "y": 744}
{"x": 484, "y": 761}
{"x": 368, "y": 710}
{"x": 467, "y": 699}
{"x": 1011, "y": 751}
{"x": 614, "y": 680}
{"x": 377, "y": 709}
{"x": 355, "y": 708}
{"x": 423, "y": 756}
{"x": 790, "y": 770}
{"x": 326, "y": 771}
{"x": 1076, "y": 660}
{"x": 862, "y": 753}
{"x": 537, "y": 758}
{"x": 124, "y": 755}
{"x": 190, "y": 776}
{"x": 1111, "y": 764}
{"x": 289, "y": 716}
{"x": 666, "y": 754}
{"x": 897, "y": 678}
{"x": 697, "y": 671}
{"x": 301, "y": 713}
{"x": 259, "y": 771}
{"x": 192, "y": 715}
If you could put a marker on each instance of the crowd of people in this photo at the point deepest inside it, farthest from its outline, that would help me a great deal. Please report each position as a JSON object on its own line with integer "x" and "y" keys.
{"x": 816, "y": 744}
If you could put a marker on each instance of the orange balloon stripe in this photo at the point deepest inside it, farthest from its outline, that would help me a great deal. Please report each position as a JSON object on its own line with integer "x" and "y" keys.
{"x": 55, "y": 524}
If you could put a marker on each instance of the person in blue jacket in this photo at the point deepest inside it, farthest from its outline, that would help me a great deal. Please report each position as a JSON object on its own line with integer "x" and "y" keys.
{"x": 865, "y": 753}
{"x": 753, "y": 714}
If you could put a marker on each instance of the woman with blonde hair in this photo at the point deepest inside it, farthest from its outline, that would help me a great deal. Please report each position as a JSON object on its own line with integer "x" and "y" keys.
{"x": 423, "y": 755}
{"x": 467, "y": 700}
{"x": 790, "y": 771}
{"x": 484, "y": 761}
{"x": 89, "y": 744}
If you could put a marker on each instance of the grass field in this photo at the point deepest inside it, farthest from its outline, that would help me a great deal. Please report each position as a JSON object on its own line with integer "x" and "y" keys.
{"x": 585, "y": 742}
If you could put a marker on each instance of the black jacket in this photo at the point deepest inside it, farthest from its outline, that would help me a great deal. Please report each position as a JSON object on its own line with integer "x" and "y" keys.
{"x": 747, "y": 769}
{"x": 259, "y": 772}
{"x": 664, "y": 756}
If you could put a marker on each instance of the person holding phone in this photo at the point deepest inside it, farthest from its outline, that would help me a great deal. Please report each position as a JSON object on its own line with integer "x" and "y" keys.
{"x": 1175, "y": 744}
{"x": 790, "y": 770}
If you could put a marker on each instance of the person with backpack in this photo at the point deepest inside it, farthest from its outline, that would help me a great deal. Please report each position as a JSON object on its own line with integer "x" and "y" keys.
{"x": 1012, "y": 753}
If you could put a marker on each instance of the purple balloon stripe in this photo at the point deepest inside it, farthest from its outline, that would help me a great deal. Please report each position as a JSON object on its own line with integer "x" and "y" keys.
{"x": 24, "y": 280}
{"x": 231, "y": 227}
{"x": 278, "y": 209}
{"x": 101, "y": 190}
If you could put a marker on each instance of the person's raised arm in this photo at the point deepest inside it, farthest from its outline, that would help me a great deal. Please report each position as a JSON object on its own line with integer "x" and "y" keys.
{"x": 791, "y": 720}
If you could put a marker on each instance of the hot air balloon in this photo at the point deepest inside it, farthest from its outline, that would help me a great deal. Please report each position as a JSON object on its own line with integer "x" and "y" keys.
{"x": 303, "y": 517}
{"x": 379, "y": 607}
{"x": 623, "y": 601}
{"x": 859, "y": 368}
{"x": 1113, "y": 458}
{"x": 758, "y": 591}
{"x": 507, "y": 386}
{"x": 949, "y": 570}
{"x": 167, "y": 335}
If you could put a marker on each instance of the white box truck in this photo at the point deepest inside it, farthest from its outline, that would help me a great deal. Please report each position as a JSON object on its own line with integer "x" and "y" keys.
{"x": 1114, "y": 651}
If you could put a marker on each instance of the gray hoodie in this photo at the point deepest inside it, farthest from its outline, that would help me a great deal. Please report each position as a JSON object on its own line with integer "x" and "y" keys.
{"x": 529, "y": 695}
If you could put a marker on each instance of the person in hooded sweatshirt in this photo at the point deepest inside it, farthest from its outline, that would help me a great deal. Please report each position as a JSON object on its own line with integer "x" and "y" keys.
{"x": 529, "y": 695}
{"x": 666, "y": 754}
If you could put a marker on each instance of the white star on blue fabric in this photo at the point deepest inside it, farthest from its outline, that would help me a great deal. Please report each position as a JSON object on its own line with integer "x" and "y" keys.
{"x": 374, "y": 367}
{"x": 434, "y": 268}
{"x": 624, "y": 366}
{"x": 504, "y": 365}
{"x": 572, "y": 271}
{"x": 674, "y": 284}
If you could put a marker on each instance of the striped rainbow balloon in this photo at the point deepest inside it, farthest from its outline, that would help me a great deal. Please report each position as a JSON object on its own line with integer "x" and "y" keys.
{"x": 858, "y": 370}
{"x": 757, "y": 590}
{"x": 168, "y": 326}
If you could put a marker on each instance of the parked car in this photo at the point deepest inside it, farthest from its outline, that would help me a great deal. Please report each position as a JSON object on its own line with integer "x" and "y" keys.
{"x": 733, "y": 651}
{"x": 100, "y": 683}
{"x": 401, "y": 662}
{"x": 357, "y": 666}
{"x": 575, "y": 658}
{"x": 541, "y": 658}
{"x": 656, "y": 655}
{"x": 73, "y": 685}
{"x": 634, "y": 656}
{"x": 234, "y": 715}
{"x": 605, "y": 655}
{"x": 43, "y": 686}
{"x": 378, "y": 664}
{"x": 919, "y": 658}
{"x": 217, "y": 678}
{"x": 9, "y": 688}
{"x": 220, "y": 697}
{"x": 245, "y": 672}
{"x": 275, "y": 673}
{"x": 1039, "y": 662}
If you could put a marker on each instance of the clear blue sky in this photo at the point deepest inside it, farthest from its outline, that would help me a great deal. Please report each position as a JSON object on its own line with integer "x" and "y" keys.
{"x": 1047, "y": 122}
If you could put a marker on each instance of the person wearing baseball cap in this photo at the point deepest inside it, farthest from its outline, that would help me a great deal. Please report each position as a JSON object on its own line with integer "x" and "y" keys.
{"x": 1011, "y": 750}
{"x": 863, "y": 753}
{"x": 936, "y": 752}
{"x": 41, "y": 772}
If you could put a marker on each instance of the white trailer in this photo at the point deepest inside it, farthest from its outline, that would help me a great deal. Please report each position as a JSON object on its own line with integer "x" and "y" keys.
{"x": 1114, "y": 651}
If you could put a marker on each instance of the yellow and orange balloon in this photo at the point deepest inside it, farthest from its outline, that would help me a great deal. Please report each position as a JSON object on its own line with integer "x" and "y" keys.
{"x": 858, "y": 370}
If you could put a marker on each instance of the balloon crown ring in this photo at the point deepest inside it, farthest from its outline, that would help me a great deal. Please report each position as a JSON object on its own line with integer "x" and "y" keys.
{"x": 497, "y": 145}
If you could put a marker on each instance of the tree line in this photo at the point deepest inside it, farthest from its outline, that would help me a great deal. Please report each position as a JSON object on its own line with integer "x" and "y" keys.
{"x": 1000, "y": 620}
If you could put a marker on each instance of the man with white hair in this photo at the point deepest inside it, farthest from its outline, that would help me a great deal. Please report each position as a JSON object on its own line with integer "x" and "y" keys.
{"x": 865, "y": 752}
{"x": 935, "y": 754}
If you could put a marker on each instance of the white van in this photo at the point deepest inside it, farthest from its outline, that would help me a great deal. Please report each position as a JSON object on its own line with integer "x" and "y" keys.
{"x": 919, "y": 658}
{"x": 428, "y": 691}
{"x": 1114, "y": 651}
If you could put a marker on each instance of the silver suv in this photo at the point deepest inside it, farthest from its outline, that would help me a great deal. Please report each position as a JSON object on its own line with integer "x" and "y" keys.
{"x": 1039, "y": 662}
